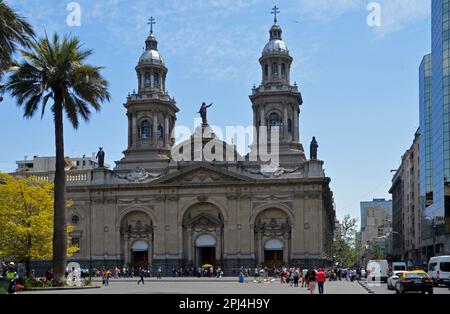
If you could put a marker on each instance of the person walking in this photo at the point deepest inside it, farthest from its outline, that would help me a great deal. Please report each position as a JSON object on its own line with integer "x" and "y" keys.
{"x": 321, "y": 278}
{"x": 296, "y": 277}
{"x": 312, "y": 281}
{"x": 158, "y": 275}
{"x": 141, "y": 274}
{"x": 12, "y": 276}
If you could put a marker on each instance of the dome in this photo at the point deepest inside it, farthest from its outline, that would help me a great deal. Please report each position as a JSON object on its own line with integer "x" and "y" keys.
{"x": 275, "y": 46}
{"x": 151, "y": 56}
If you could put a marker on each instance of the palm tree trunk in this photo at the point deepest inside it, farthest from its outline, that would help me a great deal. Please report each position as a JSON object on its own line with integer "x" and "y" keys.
{"x": 59, "y": 223}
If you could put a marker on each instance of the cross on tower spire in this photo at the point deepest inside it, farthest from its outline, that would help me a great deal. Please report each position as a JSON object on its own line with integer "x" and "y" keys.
{"x": 275, "y": 11}
{"x": 151, "y": 22}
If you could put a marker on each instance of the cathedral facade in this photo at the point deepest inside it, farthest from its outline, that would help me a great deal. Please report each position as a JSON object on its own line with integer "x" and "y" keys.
{"x": 155, "y": 210}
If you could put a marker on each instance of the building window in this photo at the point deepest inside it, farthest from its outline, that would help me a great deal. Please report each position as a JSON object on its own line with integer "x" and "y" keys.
{"x": 275, "y": 68}
{"x": 160, "y": 132}
{"x": 147, "y": 79}
{"x": 274, "y": 119}
{"x": 283, "y": 69}
{"x": 289, "y": 125}
{"x": 266, "y": 70}
{"x": 144, "y": 131}
{"x": 156, "y": 78}
{"x": 75, "y": 220}
{"x": 84, "y": 163}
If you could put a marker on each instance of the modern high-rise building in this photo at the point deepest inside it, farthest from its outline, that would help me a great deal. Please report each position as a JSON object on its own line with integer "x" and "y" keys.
{"x": 435, "y": 130}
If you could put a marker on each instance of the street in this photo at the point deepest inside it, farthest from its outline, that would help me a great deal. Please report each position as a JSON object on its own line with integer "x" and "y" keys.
{"x": 381, "y": 288}
{"x": 200, "y": 287}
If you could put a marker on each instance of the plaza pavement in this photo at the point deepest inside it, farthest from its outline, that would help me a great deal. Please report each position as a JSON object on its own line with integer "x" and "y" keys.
{"x": 203, "y": 286}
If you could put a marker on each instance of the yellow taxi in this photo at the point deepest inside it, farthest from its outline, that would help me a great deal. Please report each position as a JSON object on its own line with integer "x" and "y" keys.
{"x": 414, "y": 281}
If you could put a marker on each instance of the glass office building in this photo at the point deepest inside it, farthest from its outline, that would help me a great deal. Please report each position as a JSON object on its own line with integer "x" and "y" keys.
{"x": 435, "y": 131}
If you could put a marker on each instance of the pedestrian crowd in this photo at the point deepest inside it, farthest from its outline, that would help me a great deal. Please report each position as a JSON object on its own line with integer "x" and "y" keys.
{"x": 311, "y": 279}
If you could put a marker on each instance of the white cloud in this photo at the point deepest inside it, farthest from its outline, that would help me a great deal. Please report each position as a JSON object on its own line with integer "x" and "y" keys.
{"x": 395, "y": 14}
{"x": 327, "y": 10}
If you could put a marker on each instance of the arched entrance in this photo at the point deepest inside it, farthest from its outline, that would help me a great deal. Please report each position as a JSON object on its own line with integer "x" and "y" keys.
{"x": 272, "y": 238}
{"x": 205, "y": 250}
{"x": 136, "y": 234}
{"x": 203, "y": 235}
{"x": 273, "y": 253}
{"x": 139, "y": 254}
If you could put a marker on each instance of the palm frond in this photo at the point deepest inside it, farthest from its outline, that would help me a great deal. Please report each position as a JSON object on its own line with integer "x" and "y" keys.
{"x": 56, "y": 66}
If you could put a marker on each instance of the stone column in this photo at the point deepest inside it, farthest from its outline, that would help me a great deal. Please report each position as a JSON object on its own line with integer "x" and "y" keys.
{"x": 130, "y": 127}
{"x": 134, "y": 130}
{"x": 263, "y": 115}
{"x": 296, "y": 126}
{"x": 218, "y": 245}
{"x": 189, "y": 244}
{"x": 285, "y": 124}
{"x": 155, "y": 128}
{"x": 150, "y": 253}
{"x": 151, "y": 80}
{"x": 259, "y": 248}
{"x": 286, "y": 248}
{"x": 126, "y": 253}
{"x": 166, "y": 131}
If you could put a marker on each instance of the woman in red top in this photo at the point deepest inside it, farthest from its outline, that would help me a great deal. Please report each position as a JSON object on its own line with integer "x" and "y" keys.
{"x": 320, "y": 278}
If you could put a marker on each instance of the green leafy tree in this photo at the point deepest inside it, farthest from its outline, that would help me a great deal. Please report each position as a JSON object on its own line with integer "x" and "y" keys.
{"x": 345, "y": 246}
{"x": 376, "y": 252}
{"x": 56, "y": 70}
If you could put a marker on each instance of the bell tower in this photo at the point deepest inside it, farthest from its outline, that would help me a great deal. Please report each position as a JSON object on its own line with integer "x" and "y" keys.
{"x": 276, "y": 103}
{"x": 151, "y": 112}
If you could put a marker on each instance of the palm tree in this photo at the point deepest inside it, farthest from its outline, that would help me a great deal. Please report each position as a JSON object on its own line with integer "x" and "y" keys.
{"x": 55, "y": 69}
{"x": 14, "y": 31}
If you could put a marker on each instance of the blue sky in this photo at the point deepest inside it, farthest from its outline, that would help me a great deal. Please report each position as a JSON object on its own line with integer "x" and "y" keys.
{"x": 359, "y": 83}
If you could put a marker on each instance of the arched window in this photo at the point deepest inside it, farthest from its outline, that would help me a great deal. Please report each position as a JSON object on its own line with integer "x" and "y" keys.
{"x": 156, "y": 78}
{"x": 205, "y": 240}
{"x": 289, "y": 125}
{"x": 147, "y": 78}
{"x": 160, "y": 132}
{"x": 283, "y": 69}
{"x": 275, "y": 68}
{"x": 266, "y": 70}
{"x": 274, "y": 119}
{"x": 145, "y": 130}
{"x": 274, "y": 245}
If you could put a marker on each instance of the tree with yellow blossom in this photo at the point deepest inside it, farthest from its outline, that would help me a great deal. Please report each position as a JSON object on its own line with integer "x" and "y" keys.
{"x": 26, "y": 220}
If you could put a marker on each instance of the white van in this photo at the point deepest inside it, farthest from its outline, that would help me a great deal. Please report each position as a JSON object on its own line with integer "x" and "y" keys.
{"x": 439, "y": 269}
{"x": 377, "y": 270}
{"x": 399, "y": 266}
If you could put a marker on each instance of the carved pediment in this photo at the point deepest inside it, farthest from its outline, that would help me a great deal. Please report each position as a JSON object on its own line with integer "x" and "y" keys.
{"x": 204, "y": 222}
{"x": 201, "y": 174}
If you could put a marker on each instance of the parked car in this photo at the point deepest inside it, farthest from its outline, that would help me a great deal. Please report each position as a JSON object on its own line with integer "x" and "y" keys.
{"x": 391, "y": 282}
{"x": 439, "y": 270}
{"x": 399, "y": 266}
{"x": 414, "y": 281}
